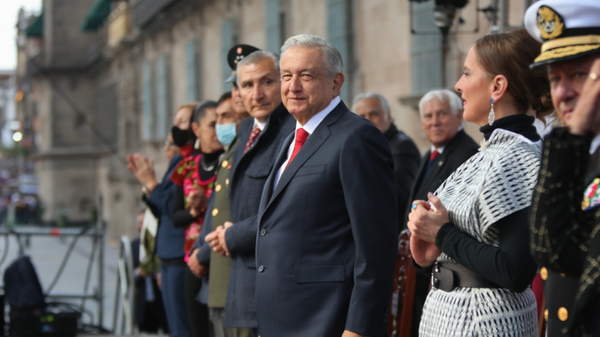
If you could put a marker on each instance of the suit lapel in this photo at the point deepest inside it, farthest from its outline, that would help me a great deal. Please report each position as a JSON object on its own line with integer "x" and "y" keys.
{"x": 268, "y": 188}
{"x": 313, "y": 143}
{"x": 442, "y": 160}
{"x": 436, "y": 167}
{"x": 421, "y": 176}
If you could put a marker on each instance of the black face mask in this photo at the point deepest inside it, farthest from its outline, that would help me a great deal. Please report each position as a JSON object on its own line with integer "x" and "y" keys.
{"x": 180, "y": 137}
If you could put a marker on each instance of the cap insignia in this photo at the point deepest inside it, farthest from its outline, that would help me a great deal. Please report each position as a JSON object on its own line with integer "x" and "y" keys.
{"x": 550, "y": 23}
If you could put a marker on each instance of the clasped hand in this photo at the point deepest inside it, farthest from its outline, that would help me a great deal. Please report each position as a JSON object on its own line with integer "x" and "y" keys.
{"x": 216, "y": 239}
{"x": 197, "y": 200}
{"x": 424, "y": 221}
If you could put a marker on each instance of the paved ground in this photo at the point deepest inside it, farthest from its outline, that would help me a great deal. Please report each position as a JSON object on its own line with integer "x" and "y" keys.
{"x": 47, "y": 254}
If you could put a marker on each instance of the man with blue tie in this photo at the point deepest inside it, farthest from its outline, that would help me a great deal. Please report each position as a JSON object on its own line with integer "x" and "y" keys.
{"x": 327, "y": 224}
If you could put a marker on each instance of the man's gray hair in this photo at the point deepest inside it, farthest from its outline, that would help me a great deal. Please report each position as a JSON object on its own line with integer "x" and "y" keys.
{"x": 444, "y": 95}
{"x": 256, "y": 57}
{"x": 331, "y": 55}
{"x": 367, "y": 95}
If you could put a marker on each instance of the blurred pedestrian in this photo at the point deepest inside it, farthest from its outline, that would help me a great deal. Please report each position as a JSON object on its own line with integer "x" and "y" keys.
{"x": 148, "y": 306}
{"x": 194, "y": 181}
{"x": 169, "y": 240}
{"x": 375, "y": 108}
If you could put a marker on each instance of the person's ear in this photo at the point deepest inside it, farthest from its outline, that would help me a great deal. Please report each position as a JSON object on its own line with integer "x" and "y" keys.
{"x": 499, "y": 87}
{"x": 195, "y": 127}
{"x": 337, "y": 81}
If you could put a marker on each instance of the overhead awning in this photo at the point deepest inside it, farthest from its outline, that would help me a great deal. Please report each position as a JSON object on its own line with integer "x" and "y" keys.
{"x": 36, "y": 27}
{"x": 97, "y": 15}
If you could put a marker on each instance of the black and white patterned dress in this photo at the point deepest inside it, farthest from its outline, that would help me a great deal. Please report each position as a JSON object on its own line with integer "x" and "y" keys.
{"x": 491, "y": 185}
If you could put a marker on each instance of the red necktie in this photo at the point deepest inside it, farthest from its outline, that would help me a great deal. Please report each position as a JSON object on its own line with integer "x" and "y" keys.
{"x": 433, "y": 155}
{"x": 253, "y": 135}
{"x": 301, "y": 136}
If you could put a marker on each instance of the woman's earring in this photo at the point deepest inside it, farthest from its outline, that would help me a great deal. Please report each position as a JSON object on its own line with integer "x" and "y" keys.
{"x": 197, "y": 144}
{"x": 491, "y": 116}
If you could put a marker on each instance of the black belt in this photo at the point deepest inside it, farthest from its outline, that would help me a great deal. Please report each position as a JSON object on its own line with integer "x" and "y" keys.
{"x": 178, "y": 261}
{"x": 447, "y": 276}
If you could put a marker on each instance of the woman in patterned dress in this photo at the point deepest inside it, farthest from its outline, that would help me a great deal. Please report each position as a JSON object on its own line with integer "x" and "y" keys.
{"x": 472, "y": 235}
{"x": 194, "y": 178}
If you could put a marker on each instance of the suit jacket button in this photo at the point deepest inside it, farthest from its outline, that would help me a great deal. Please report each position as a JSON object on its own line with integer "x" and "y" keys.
{"x": 563, "y": 314}
{"x": 218, "y": 188}
{"x": 544, "y": 273}
{"x": 215, "y": 212}
{"x": 261, "y": 268}
{"x": 263, "y": 232}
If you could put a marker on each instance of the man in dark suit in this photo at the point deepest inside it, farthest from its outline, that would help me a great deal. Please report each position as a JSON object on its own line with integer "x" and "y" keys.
{"x": 441, "y": 120}
{"x": 407, "y": 158}
{"x": 260, "y": 139}
{"x": 229, "y": 116}
{"x": 327, "y": 225}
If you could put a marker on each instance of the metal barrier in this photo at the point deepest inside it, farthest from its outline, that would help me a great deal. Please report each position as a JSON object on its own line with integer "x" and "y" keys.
{"x": 124, "y": 305}
{"x": 96, "y": 232}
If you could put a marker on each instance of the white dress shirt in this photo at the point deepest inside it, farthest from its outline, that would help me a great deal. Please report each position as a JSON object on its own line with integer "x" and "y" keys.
{"x": 309, "y": 127}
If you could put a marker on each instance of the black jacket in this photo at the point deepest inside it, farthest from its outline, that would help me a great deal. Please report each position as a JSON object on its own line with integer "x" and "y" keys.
{"x": 250, "y": 172}
{"x": 457, "y": 151}
{"x": 564, "y": 237}
{"x": 406, "y": 165}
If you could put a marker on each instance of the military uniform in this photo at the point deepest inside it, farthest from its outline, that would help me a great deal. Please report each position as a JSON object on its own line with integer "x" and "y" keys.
{"x": 219, "y": 264}
{"x": 565, "y": 215}
{"x": 217, "y": 214}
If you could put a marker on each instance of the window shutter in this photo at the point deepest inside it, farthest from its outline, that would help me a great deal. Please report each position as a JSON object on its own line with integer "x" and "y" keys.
{"x": 272, "y": 26}
{"x": 227, "y": 41}
{"x": 162, "y": 102}
{"x": 147, "y": 101}
{"x": 426, "y": 50}
{"x": 339, "y": 33}
{"x": 191, "y": 61}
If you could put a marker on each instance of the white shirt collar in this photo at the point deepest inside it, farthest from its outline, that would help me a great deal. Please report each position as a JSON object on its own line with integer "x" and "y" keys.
{"x": 439, "y": 149}
{"x": 315, "y": 120}
{"x": 261, "y": 125}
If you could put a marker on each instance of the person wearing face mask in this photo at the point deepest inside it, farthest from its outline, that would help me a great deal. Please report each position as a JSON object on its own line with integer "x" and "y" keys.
{"x": 194, "y": 180}
{"x": 158, "y": 196}
{"x": 230, "y": 111}
{"x": 227, "y": 123}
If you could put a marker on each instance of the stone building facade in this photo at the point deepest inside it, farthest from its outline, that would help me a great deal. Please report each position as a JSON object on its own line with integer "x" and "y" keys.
{"x": 136, "y": 61}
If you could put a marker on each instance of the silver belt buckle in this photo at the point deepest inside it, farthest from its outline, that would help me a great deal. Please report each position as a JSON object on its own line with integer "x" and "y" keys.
{"x": 434, "y": 281}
